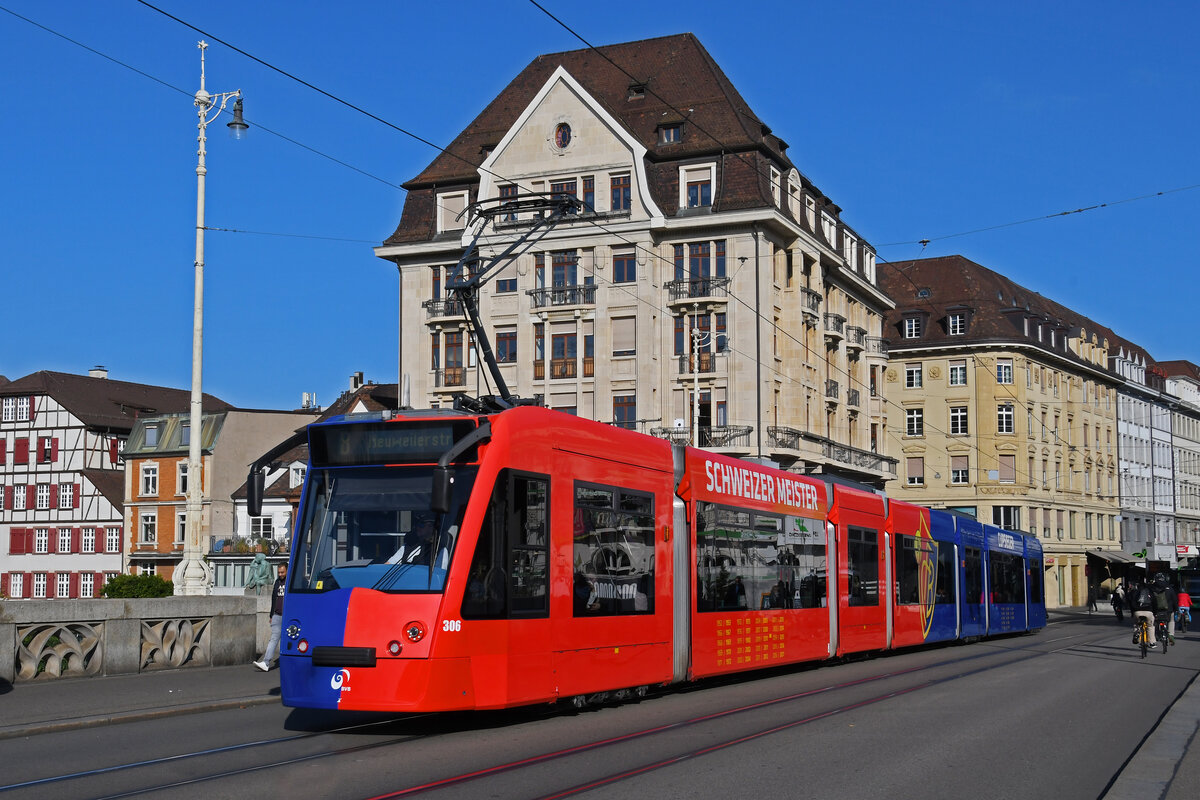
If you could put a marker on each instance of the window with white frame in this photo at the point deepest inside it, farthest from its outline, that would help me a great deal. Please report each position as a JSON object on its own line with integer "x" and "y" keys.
{"x": 916, "y": 470}
{"x": 181, "y": 475}
{"x": 261, "y": 527}
{"x": 181, "y": 526}
{"x": 914, "y": 421}
{"x": 10, "y": 410}
{"x": 112, "y": 540}
{"x": 696, "y": 184}
{"x": 912, "y": 327}
{"x": 957, "y": 375}
{"x": 87, "y": 540}
{"x": 810, "y": 211}
{"x": 793, "y": 191}
{"x": 41, "y": 540}
{"x": 1005, "y": 418}
{"x": 149, "y": 483}
{"x": 1007, "y": 517}
{"x": 39, "y": 585}
{"x": 960, "y": 473}
{"x": 66, "y": 495}
{"x": 850, "y": 251}
{"x": 1004, "y": 370}
{"x": 296, "y": 475}
{"x": 450, "y": 206}
{"x": 151, "y": 436}
{"x": 776, "y": 187}
{"x": 87, "y": 584}
{"x": 16, "y": 584}
{"x": 64, "y": 540}
{"x": 43, "y": 496}
{"x": 145, "y": 568}
{"x": 958, "y": 421}
{"x": 624, "y": 336}
{"x": 20, "y": 494}
{"x": 869, "y": 265}
{"x": 912, "y": 376}
{"x": 62, "y": 585}
{"x": 185, "y": 434}
{"x": 829, "y": 228}
{"x": 148, "y": 528}
{"x": 956, "y": 324}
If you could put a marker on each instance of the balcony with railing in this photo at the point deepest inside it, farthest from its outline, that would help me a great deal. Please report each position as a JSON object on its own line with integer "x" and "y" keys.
{"x": 693, "y": 290}
{"x": 852, "y": 398}
{"x": 832, "y": 392}
{"x": 449, "y": 377}
{"x": 730, "y": 437}
{"x": 877, "y": 345}
{"x": 810, "y": 305}
{"x": 856, "y": 338}
{"x": 440, "y": 309}
{"x": 703, "y": 362}
{"x": 557, "y": 296}
{"x": 564, "y": 368}
{"x": 837, "y": 458}
{"x": 835, "y": 327}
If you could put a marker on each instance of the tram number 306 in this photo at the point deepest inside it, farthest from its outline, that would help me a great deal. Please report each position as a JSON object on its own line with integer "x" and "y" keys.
{"x": 452, "y": 625}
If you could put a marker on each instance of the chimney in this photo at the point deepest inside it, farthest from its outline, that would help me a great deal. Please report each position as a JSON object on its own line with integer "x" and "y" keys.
{"x": 356, "y": 381}
{"x": 98, "y": 372}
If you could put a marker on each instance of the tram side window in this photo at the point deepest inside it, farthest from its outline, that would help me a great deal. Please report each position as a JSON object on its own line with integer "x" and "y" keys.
{"x": 613, "y": 551}
{"x": 756, "y": 560}
{"x": 973, "y": 579}
{"x": 1036, "y": 592}
{"x": 1007, "y": 574}
{"x": 863, "y": 561}
{"x": 945, "y": 573}
{"x": 916, "y": 563}
{"x": 510, "y": 574}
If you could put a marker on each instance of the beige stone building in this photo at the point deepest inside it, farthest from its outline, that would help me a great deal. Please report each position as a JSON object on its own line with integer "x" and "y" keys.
{"x": 708, "y": 292}
{"x": 1004, "y": 408}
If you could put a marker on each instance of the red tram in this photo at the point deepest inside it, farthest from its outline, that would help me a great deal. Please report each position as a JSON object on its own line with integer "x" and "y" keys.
{"x": 444, "y": 560}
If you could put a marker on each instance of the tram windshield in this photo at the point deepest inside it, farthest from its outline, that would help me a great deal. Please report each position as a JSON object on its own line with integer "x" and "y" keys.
{"x": 372, "y": 527}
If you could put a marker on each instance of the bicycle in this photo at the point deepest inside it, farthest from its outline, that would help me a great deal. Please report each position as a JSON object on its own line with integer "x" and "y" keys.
{"x": 1142, "y": 635}
{"x": 1160, "y": 630}
{"x": 1182, "y": 617}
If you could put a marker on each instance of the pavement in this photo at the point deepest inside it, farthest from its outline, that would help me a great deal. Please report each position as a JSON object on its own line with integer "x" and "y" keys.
{"x": 1166, "y": 765}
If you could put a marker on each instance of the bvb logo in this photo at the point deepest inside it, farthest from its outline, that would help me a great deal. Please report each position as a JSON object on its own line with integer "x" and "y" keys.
{"x": 927, "y": 565}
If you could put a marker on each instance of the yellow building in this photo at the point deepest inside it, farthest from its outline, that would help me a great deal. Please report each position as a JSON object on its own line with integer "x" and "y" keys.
{"x": 1003, "y": 407}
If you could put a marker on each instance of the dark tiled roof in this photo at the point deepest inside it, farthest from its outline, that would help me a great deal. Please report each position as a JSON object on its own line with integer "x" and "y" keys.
{"x": 107, "y": 404}
{"x": 996, "y": 307}
{"x": 1180, "y": 369}
{"x": 678, "y": 73}
{"x": 110, "y": 483}
{"x": 374, "y": 397}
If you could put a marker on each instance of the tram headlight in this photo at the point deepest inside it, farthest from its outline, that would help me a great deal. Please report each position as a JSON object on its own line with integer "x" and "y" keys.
{"x": 293, "y": 629}
{"x": 393, "y": 648}
{"x": 414, "y": 631}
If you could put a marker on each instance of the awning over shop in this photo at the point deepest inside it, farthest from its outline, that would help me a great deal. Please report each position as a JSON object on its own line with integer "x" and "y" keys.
{"x": 1113, "y": 556}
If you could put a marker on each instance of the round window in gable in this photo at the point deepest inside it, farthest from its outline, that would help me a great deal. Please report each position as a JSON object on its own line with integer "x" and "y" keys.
{"x": 562, "y": 135}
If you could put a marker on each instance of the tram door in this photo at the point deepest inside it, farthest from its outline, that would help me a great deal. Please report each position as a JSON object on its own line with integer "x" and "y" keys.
{"x": 969, "y": 540}
{"x": 863, "y": 591}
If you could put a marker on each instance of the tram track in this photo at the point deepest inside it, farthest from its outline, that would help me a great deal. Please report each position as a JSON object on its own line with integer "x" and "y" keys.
{"x": 220, "y": 753}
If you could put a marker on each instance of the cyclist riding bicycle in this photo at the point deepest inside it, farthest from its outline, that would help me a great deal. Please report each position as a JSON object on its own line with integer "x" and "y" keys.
{"x": 1185, "y": 607}
{"x": 1141, "y": 606}
{"x": 1165, "y": 601}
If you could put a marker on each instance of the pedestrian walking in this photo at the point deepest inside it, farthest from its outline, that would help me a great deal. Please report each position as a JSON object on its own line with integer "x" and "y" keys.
{"x": 276, "y": 618}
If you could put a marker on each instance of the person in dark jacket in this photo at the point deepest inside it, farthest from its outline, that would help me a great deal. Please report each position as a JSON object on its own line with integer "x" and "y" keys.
{"x": 276, "y": 618}
{"x": 1141, "y": 605}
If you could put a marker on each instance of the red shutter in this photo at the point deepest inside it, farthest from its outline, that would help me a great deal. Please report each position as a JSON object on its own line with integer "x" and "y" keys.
{"x": 30, "y": 496}
{"x": 16, "y": 542}
{"x": 32, "y": 407}
{"x": 4, "y": 583}
{"x": 54, "y": 449}
{"x": 3, "y": 451}
{"x": 76, "y": 540}
{"x": 74, "y": 580}
{"x": 37, "y": 453}
{"x": 50, "y": 576}
{"x": 54, "y": 495}
{"x": 77, "y": 495}
{"x": 8, "y": 494}
{"x": 28, "y": 585}
{"x": 20, "y": 451}
{"x": 98, "y": 584}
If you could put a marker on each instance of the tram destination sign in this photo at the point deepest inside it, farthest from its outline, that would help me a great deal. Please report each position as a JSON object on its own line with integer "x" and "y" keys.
{"x": 355, "y": 445}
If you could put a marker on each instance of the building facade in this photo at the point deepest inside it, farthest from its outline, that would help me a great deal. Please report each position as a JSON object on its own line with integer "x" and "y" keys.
{"x": 62, "y": 441}
{"x": 156, "y": 481}
{"x": 1183, "y": 384}
{"x": 1004, "y": 409}
{"x": 708, "y": 292}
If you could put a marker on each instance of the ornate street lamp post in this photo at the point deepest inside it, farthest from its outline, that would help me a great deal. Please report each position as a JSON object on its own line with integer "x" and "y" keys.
{"x": 191, "y": 575}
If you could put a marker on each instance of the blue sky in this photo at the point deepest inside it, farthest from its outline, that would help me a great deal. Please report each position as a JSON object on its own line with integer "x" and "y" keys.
{"x": 920, "y": 119}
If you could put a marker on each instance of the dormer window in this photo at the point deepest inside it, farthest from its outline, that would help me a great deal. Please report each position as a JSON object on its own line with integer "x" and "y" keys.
{"x": 696, "y": 185}
{"x": 912, "y": 328}
{"x": 450, "y": 207}
{"x": 670, "y": 134}
{"x": 637, "y": 91}
{"x": 151, "y": 436}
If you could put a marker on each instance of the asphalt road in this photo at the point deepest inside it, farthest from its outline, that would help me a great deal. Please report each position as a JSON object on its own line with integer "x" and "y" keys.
{"x": 1056, "y": 714}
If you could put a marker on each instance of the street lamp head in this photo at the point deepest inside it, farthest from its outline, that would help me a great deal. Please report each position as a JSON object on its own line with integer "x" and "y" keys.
{"x": 238, "y": 127}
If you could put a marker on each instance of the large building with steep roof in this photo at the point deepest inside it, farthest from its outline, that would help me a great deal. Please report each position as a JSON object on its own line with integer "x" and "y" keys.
{"x": 709, "y": 291}
{"x": 1004, "y": 407}
{"x": 62, "y": 438}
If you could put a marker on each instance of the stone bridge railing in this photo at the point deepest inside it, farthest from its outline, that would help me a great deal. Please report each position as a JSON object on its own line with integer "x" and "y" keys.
{"x": 48, "y": 639}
